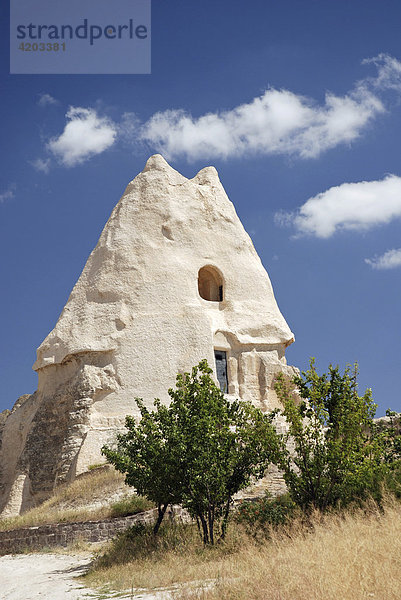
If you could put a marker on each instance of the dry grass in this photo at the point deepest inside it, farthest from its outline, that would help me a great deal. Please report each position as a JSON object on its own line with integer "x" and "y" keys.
{"x": 86, "y": 498}
{"x": 177, "y": 556}
{"x": 350, "y": 557}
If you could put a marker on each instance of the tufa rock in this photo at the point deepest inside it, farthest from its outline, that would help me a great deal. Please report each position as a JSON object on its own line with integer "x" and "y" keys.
{"x": 173, "y": 279}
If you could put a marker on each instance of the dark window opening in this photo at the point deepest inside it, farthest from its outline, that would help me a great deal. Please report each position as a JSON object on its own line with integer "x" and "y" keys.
{"x": 221, "y": 369}
{"x": 210, "y": 284}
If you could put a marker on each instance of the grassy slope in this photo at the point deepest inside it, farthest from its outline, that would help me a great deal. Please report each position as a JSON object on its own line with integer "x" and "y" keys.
{"x": 350, "y": 557}
{"x": 87, "y": 498}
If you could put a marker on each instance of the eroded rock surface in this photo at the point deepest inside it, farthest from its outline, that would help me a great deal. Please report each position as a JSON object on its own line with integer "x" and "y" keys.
{"x": 173, "y": 278}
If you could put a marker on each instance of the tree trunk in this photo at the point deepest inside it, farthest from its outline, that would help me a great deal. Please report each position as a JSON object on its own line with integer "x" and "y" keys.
{"x": 210, "y": 516}
{"x": 161, "y": 509}
{"x": 198, "y": 525}
{"x": 205, "y": 529}
{"x": 225, "y": 520}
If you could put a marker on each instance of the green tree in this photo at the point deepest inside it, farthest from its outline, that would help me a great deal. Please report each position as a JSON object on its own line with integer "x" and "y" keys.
{"x": 199, "y": 451}
{"x": 149, "y": 457}
{"x": 335, "y": 457}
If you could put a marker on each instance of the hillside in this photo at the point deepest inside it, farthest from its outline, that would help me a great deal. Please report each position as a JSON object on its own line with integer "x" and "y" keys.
{"x": 97, "y": 494}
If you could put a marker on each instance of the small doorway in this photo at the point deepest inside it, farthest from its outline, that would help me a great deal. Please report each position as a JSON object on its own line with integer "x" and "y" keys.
{"x": 221, "y": 369}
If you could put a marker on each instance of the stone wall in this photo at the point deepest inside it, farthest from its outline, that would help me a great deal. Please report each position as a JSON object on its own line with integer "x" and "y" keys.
{"x": 62, "y": 534}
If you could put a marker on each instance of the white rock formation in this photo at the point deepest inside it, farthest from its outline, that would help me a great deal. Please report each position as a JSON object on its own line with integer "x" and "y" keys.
{"x": 135, "y": 318}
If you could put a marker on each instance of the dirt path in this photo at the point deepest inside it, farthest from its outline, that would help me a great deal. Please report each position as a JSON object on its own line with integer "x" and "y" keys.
{"x": 44, "y": 576}
{"x": 54, "y": 577}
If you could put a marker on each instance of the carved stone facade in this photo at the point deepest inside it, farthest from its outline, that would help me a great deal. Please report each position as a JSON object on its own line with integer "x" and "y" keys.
{"x": 173, "y": 279}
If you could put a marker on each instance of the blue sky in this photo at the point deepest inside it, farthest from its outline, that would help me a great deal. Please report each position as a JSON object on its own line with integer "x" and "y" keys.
{"x": 282, "y": 99}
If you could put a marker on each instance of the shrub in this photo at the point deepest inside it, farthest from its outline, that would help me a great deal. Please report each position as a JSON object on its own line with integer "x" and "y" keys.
{"x": 130, "y": 505}
{"x": 259, "y": 515}
{"x": 336, "y": 457}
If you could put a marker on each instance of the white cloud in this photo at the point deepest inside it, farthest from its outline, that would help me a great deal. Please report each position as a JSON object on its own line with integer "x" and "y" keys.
{"x": 277, "y": 122}
{"x": 388, "y": 72}
{"x": 41, "y": 164}
{"x": 389, "y": 260}
{"x": 46, "y": 100}
{"x": 353, "y": 206}
{"x": 8, "y": 193}
{"x": 85, "y": 135}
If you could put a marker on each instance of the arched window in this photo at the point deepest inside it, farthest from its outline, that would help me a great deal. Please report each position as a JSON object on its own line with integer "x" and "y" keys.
{"x": 210, "y": 284}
